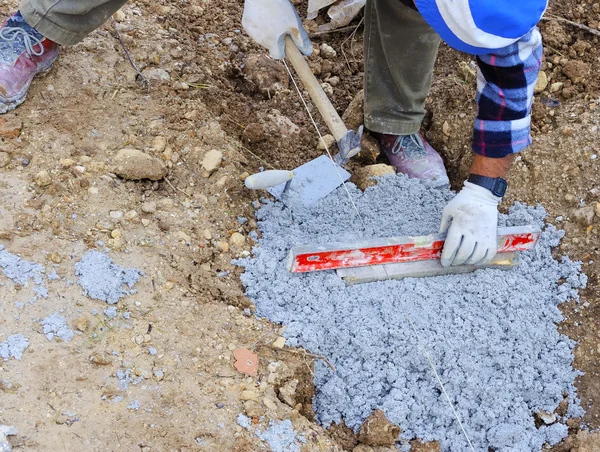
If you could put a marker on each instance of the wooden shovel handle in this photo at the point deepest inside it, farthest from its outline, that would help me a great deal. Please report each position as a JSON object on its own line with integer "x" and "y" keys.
{"x": 312, "y": 85}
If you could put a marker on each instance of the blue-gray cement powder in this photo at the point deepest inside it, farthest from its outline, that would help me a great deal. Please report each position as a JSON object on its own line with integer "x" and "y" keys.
{"x": 104, "y": 280}
{"x": 22, "y": 271}
{"x": 56, "y": 326}
{"x": 281, "y": 437}
{"x": 492, "y": 334}
{"x": 13, "y": 347}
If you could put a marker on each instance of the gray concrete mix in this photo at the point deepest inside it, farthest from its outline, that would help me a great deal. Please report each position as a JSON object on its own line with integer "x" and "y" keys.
{"x": 492, "y": 334}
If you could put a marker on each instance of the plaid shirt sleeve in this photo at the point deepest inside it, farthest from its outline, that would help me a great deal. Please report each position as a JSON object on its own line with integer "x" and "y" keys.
{"x": 505, "y": 82}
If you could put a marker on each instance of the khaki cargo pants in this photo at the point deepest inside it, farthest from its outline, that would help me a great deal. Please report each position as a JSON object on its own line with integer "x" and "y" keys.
{"x": 68, "y": 21}
{"x": 400, "y": 52}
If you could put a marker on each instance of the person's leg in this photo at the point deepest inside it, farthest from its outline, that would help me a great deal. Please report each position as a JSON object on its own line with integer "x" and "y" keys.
{"x": 400, "y": 52}
{"x": 67, "y": 22}
{"x": 30, "y": 39}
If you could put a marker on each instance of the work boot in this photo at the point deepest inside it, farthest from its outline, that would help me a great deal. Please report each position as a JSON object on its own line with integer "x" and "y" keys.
{"x": 24, "y": 53}
{"x": 413, "y": 155}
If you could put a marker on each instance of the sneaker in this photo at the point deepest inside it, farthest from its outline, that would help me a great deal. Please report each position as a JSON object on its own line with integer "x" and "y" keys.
{"x": 24, "y": 53}
{"x": 413, "y": 155}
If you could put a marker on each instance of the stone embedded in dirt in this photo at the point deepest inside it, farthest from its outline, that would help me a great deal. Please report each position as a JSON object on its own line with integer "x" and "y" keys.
{"x": 269, "y": 76}
{"x": 583, "y": 215}
{"x": 354, "y": 115}
{"x": 326, "y": 142}
{"x": 249, "y": 394}
{"x": 327, "y": 52}
{"x": 246, "y": 361}
{"x": 343, "y": 436}
{"x": 253, "y": 133}
{"x": 555, "y": 34}
{"x": 587, "y": 442}
{"x": 10, "y": 127}
{"x": 212, "y": 161}
{"x": 237, "y": 240}
{"x": 556, "y": 87}
{"x": 287, "y": 392}
{"x": 159, "y": 144}
{"x": 102, "y": 358}
{"x": 378, "y": 431}
{"x": 132, "y": 164}
{"x": 363, "y": 177}
{"x": 157, "y": 74}
{"x": 149, "y": 207}
{"x": 81, "y": 324}
{"x": 279, "y": 342}
{"x": 42, "y": 179}
{"x": 418, "y": 446}
{"x": 280, "y": 125}
{"x": 327, "y": 88}
{"x": 576, "y": 70}
{"x": 542, "y": 82}
{"x": 4, "y": 159}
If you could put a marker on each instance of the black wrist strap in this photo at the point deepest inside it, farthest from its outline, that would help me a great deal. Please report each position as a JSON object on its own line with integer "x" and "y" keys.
{"x": 496, "y": 185}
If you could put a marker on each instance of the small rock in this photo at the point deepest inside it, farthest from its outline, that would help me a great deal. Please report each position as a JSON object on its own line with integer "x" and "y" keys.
{"x": 146, "y": 222}
{"x": 253, "y": 133}
{"x": 101, "y": 358}
{"x": 223, "y": 246}
{"x": 116, "y": 214}
{"x": 10, "y": 127}
{"x": 354, "y": 115}
{"x": 56, "y": 258}
{"x": 542, "y": 82}
{"x": 556, "y": 87}
{"x": 157, "y": 74}
{"x": 253, "y": 409}
{"x": 81, "y": 324}
{"x": 249, "y": 395}
{"x": 237, "y": 240}
{"x": 78, "y": 170}
{"x": 378, "y": 431}
{"x": 418, "y": 446}
{"x": 43, "y": 179}
{"x": 159, "y": 144}
{"x": 4, "y": 159}
{"x": 287, "y": 392}
{"x": 327, "y": 88}
{"x": 131, "y": 215}
{"x": 116, "y": 234}
{"x": 576, "y": 70}
{"x": 149, "y": 207}
{"x": 132, "y": 164}
{"x": 583, "y": 215}
{"x": 207, "y": 234}
{"x": 181, "y": 86}
{"x": 547, "y": 418}
{"x": 269, "y": 403}
{"x": 212, "y": 161}
{"x": 269, "y": 76}
{"x": 446, "y": 128}
{"x": 597, "y": 209}
{"x": 363, "y": 177}
{"x": 326, "y": 142}
{"x": 327, "y": 52}
{"x": 279, "y": 342}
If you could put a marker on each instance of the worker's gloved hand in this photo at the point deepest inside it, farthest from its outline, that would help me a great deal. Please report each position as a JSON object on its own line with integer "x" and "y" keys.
{"x": 471, "y": 220}
{"x": 269, "y": 21}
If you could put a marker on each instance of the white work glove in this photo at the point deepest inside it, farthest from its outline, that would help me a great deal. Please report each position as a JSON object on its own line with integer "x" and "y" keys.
{"x": 269, "y": 21}
{"x": 471, "y": 220}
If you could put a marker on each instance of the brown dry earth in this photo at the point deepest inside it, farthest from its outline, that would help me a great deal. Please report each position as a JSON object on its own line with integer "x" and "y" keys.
{"x": 213, "y": 89}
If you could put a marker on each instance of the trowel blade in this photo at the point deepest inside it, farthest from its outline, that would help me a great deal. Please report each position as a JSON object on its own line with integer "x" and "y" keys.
{"x": 312, "y": 182}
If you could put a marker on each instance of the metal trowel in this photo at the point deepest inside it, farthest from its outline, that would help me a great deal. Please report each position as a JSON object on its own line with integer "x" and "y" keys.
{"x": 307, "y": 184}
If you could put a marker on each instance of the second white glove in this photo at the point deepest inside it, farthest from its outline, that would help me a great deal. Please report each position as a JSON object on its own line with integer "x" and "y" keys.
{"x": 269, "y": 21}
{"x": 471, "y": 219}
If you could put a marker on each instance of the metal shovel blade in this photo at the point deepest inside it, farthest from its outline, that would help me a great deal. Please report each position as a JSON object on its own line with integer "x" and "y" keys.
{"x": 312, "y": 182}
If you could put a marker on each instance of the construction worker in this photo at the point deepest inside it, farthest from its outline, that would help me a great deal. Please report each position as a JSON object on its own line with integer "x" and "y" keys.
{"x": 401, "y": 43}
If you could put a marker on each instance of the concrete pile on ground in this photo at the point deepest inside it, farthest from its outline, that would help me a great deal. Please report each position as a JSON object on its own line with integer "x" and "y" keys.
{"x": 491, "y": 334}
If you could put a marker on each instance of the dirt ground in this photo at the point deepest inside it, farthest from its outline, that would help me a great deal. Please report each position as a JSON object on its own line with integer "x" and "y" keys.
{"x": 211, "y": 88}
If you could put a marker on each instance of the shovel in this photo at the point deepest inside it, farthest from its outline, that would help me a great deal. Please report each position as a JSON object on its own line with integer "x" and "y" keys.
{"x": 319, "y": 177}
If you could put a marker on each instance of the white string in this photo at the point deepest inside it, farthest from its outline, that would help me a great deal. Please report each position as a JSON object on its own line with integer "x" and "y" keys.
{"x": 406, "y": 314}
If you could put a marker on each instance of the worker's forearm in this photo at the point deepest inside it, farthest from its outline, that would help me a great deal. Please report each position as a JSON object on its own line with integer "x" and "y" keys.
{"x": 490, "y": 167}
